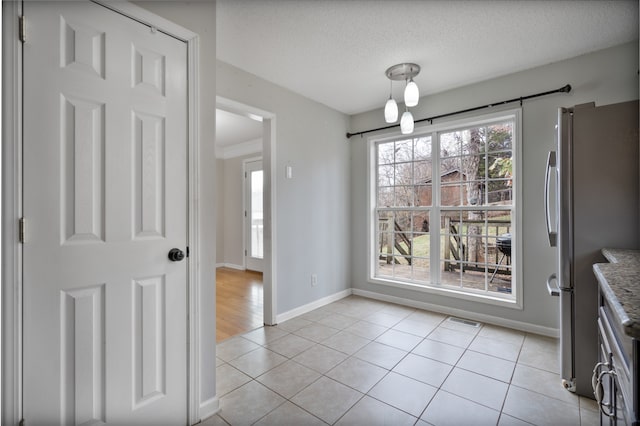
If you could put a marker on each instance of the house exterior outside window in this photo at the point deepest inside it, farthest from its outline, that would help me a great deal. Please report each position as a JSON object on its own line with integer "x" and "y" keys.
{"x": 444, "y": 205}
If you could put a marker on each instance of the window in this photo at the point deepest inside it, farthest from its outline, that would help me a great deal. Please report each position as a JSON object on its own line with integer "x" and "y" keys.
{"x": 444, "y": 210}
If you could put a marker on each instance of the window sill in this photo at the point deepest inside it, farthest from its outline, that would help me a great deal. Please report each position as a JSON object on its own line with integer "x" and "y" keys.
{"x": 510, "y": 302}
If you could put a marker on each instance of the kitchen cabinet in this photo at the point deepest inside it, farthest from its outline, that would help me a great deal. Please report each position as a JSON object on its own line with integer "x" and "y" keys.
{"x": 615, "y": 377}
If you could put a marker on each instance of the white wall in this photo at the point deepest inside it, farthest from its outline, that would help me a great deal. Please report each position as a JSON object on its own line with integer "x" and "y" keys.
{"x": 200, "y": 17}
{"x": 312, "y": 210}
{"x": 607, "y": 76}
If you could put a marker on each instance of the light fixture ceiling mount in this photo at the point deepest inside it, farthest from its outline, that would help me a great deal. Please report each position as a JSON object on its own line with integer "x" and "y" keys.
{"x": 402, "y": 72}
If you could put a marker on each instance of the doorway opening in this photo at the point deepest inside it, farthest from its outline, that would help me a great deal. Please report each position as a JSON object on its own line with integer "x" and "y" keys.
{"x": 245, "y": 137}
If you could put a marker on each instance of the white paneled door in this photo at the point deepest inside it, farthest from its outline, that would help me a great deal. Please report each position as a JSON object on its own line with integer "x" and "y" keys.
{"x": 105, "y": 201}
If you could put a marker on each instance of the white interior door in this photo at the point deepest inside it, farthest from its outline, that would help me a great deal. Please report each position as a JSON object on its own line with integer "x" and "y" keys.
{"x": 105, "y": 200}
{"x": 254, "y": 217}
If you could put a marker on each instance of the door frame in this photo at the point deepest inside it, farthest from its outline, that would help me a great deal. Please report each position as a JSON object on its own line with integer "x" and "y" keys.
{"x": 268, "y": 201}
{"x": 12, "y": 168}
{"x": 246, "y": 234}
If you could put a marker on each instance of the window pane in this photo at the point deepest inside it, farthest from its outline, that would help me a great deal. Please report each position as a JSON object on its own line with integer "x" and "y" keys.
{"x": 476, "y": 250}
{"x": 404, "y": 151}
{"x": 385, "y": 196}
{"x": 385, "y": 153}
{"x": 404, "y": 196}
{"x": 422, "y": 172}
{"x": 424, "y": 195}
{"x": 386, "y": 176}
{"x": 403, "y": 245}
{"x": 422, "y": 148}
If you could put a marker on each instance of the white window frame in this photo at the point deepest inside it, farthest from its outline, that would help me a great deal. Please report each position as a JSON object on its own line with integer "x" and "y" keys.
{"x": 515, "y": 300}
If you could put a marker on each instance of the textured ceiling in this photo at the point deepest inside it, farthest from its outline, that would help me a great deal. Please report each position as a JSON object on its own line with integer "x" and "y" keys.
{"x": 336, "y": 51}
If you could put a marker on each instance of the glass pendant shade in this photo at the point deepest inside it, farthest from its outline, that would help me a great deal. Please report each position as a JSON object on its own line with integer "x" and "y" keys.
{"x": 411, "y": 94}
{"x": 391, "y": 111}
{"x": 406, "y": 123}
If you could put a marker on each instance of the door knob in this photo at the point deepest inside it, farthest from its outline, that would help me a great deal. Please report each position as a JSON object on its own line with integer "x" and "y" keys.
{"x": 176, "y": 255}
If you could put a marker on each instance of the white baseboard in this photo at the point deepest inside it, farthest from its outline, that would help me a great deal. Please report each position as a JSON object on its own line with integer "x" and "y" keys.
{"x": 209, "y": 408}
{"x": 231, "y": 265}
{"x": 313, "y": 305}
{"x": 489, "y": 319}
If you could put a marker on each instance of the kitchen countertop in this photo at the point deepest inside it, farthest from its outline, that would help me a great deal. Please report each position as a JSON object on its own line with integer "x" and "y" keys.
{"x": 620, "y": 284}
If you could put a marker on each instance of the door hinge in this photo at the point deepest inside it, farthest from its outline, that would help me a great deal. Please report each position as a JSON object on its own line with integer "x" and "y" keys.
{"x": 22, "y": 29}
{"x": 187, "y": 251}
{"x": 245, "y": 213}
{"x": 21, "y": 225}
{"x": 245, "y": 252}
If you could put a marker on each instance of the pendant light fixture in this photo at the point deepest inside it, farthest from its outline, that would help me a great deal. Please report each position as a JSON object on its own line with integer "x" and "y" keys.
{"x": 406, "y": 123}
{"x": 404, "y": 72}
{"x": 411, "y": 94}
{"x": 391, "y": 108}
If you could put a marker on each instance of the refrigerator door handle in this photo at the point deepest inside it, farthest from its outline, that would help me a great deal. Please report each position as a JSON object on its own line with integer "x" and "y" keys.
{"x": 553, "y": 291}
{"x": 551, "y": 162}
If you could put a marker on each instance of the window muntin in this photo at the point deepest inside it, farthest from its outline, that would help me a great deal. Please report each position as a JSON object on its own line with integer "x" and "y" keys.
{"x": 448, "y": 220}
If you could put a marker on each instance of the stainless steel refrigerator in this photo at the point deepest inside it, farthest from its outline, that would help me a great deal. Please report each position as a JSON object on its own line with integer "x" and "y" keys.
{"x": 591, "y": 203}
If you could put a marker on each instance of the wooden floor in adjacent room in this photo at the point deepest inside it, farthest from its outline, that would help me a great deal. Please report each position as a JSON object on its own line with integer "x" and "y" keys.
{"x": 239, "y": 302}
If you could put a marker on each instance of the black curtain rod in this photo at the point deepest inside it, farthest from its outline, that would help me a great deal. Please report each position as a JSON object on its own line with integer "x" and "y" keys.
{"x": 565, "y": 89}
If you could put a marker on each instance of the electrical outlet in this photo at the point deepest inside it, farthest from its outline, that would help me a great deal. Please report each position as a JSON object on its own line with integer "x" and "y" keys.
{"x": 314, "y": 280}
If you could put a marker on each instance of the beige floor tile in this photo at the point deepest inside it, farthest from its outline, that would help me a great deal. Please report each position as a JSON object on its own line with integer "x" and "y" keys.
{"x": 447, "y": 409}
{"x": 544, "y": 382}
{"x": 338, "y": 321}
{"x": 439, "y": 351}
{"x": 316, "y": 332}
{"x": 294, "y": 324}
{"x": 257, "y": 362}
{"x": 290, "y": 345}
{"x": 474, "y": 387}
{"x": 423, "y": 369}
{"x": 506, "y": 420}
{"x": 265, "y": 335}
{"x": 214, "y": 421}
{"x": 497, "y": 348}
{"x": 406, "y": 394}
{"x": 538, "y": 409}
{"x": 541, "y": 343}
{"x": 399, "y": 339}
{"x": 289, "y": 414}
{"x": 487, "y": 365}
{"x": 346, "y": 342}
{"x": 381, "y": 355}
{"x": 289, "y": 378}
{"x": 357, "y": 374}
{"x": 371, "y": 412}
{"x": 327, "y": 399}
{"x": 320, "y": 358}
{"x": 366, "y": 329}
{"x": 416, "y": 327}
{"x": 504, "y": 334}
{"x": 248, "y": 403}
{"x": 234, "y": 347}
{"x": 549, "y": 361}
{"x": 384, "y": 319}
{"x": 228, "y": 379}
